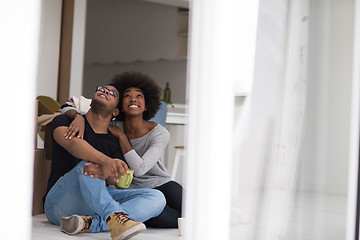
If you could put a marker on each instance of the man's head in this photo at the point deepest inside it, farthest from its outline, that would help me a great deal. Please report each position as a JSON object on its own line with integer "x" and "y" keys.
{"x": 148, "y": 87}
{"x": 106, "y": 100}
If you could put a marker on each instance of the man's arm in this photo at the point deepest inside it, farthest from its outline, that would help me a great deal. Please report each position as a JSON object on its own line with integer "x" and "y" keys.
{"x": 81, "y": 149}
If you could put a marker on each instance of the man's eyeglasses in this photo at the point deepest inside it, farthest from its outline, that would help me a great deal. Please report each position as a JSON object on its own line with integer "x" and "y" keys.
{"x": 113, "y": 93}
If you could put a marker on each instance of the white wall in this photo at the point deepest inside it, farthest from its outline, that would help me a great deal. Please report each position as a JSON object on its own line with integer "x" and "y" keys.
{"x": 164, "y": 71}
{"x": 120, "y": 32}
{"x": 78, "y": 47}
{"x": 49, "y": 52}
{"x": 129, "y": 30}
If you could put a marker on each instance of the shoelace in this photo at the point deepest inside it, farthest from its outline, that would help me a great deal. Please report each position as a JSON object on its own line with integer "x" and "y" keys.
{"x": 121, "y": 217}
{"x": 88, "y": 222}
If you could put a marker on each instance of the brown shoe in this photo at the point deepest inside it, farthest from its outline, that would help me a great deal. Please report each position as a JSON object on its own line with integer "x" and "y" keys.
{"x": 122, "y": 227}
{"x": 75, "y": 224}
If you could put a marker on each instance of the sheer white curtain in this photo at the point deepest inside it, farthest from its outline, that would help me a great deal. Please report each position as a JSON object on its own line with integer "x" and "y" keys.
{"x": 19, "y": 44}
{"x": 290, "y": 160}
{"x": 222, "y": 43}
{"x": 292, "y": 135}
{"x": 276, "y": 110}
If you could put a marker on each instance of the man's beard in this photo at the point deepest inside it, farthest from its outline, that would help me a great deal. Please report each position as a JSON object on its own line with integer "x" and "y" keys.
{"x": 97, "y": 106}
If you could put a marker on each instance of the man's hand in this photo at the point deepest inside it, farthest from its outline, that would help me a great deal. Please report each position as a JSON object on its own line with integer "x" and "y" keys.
{"x": 77, "y": 126}
{"x": 116, "y": 168}
{"x": 95, "y": 170}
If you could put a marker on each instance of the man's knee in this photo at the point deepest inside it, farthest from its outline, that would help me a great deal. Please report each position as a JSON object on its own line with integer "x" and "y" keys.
{"x": 79, "y": 166}
{"x": 158, "y": 197}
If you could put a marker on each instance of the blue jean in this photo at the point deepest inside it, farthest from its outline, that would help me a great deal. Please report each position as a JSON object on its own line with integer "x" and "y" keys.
{"x": 76, "y": 193}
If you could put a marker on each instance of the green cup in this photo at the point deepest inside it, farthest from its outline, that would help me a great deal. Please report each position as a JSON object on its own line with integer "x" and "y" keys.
{"x": 126, "y": 180}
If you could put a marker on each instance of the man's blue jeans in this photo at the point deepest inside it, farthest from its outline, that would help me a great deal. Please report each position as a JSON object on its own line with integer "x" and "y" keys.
{"x": 76, "y": 193}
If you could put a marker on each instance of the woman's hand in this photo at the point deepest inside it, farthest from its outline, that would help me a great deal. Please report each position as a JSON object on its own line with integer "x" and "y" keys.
{"x": 116, "y": 131}
{"x": 123, "y": 139}
{"x": 77, "y": 126}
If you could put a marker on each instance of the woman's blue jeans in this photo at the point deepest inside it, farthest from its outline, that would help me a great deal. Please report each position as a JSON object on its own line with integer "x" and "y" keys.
{"x": 76, "y": 193}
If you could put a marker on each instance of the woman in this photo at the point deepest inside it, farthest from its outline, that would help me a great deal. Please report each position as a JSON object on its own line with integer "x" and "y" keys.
{"x": 142, "y": 141}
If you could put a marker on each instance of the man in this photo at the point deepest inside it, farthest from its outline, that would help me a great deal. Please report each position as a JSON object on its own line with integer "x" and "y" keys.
{"x": 81, "y": 203}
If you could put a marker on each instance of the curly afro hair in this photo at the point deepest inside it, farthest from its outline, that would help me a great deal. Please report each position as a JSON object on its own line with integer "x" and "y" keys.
{"x": 152, "y": 92}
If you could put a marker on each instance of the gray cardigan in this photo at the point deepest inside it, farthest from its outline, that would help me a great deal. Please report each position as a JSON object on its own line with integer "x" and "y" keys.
{"x": 146, "y": 158}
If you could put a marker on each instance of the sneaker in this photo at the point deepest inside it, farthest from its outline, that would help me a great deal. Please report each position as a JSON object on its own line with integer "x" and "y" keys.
{"x": 122, "y": 227}
{"x": 75, "y": 224}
